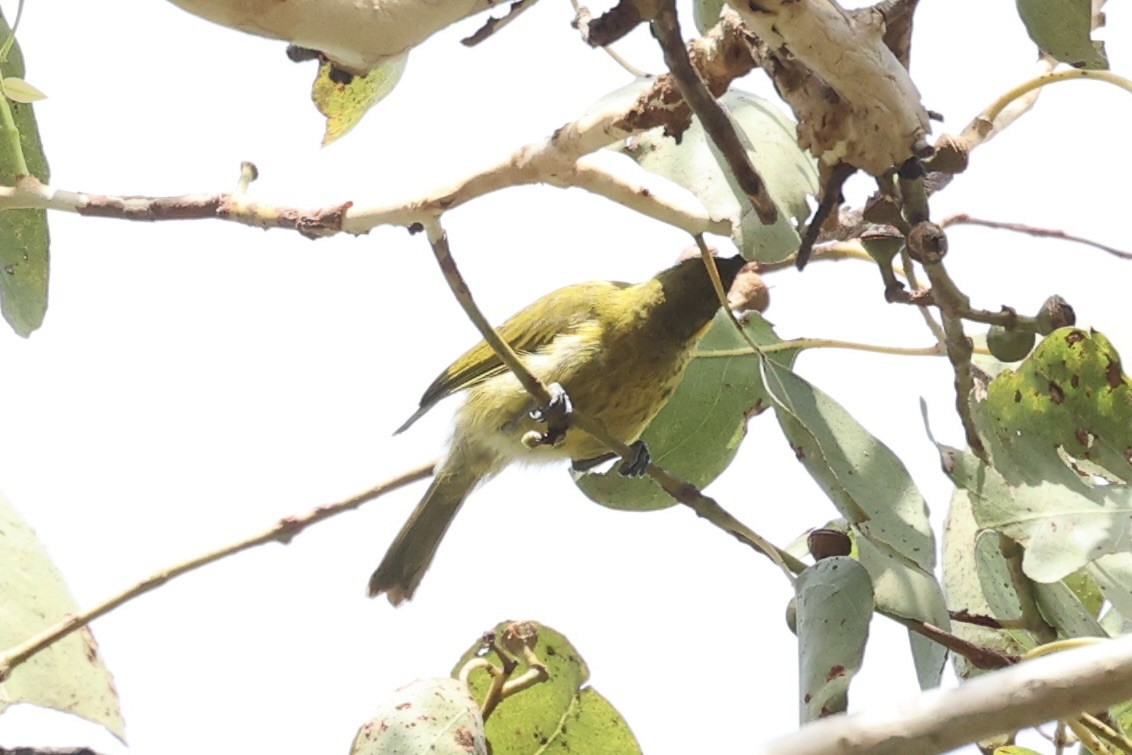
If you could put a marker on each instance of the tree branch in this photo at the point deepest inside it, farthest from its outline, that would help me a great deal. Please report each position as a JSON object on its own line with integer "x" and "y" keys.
{"x": 1030, "y": 230}
{"x": 282, "y": 532}
{"x": 714, "y": 119}
{"x": 1058, "y": 686}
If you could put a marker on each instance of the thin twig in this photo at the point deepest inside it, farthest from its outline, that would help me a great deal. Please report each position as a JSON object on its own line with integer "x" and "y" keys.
{"x": 493, "y": 24}
{"x": 282, "y": 532}
{"x": 830, "y": 199}
{"x": 963, "y": 218}
{"x": 980, "y": 657}
{"x": 438, "y": 239}
{"x": 580, "y": 13}
{"x": 935, "y": 350}
{"x": 714, "y": 119}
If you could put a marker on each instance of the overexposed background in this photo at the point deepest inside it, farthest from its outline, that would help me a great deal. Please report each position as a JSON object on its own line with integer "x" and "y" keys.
{"x": 196, "y": 381}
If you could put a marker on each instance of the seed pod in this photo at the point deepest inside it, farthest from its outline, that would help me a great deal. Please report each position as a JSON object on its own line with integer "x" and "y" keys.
{"x": 1009, "y": 345}
{"x": 1055, "y": 313}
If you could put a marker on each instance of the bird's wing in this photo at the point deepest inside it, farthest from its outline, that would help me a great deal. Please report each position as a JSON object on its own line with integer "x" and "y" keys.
{"x": 526, "y": 332}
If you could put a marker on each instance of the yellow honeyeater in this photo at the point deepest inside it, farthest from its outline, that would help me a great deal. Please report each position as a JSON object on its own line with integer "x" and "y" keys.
{"x": 617, "y": 350}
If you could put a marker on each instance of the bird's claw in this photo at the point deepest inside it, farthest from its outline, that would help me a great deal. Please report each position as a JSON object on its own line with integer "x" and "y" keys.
{"x": 639, "y": 463}
{"x": 555, "y": 415}
{"x": 558, "y": 406}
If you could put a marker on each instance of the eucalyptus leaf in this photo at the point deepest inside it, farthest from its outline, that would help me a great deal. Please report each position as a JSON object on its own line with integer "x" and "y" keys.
{"x": 706, "y": 13}
{"x": 561, "y": 714}
{"x": 903, "y": 589}
{"x": 1065, "y": 612}
{"x": 1070, "y": 394}
{"x": 1061, "y": 28}
{"x": 1059, "y": 433}
{"x": 866, "y": 481}
{"x": 68, "y": 676}
{"x": 834, "y": 607}
{"x": 24, "y": 238}
{"x": 1113, "y": 574}
{"x": 344, "y": 104}
{"x": 978, "y": 580}
{"x": 1062, "y": 526}
{"x": 437, "y": 716}
{"x": 790, "y": 174}
{"x": 698, "y": 432}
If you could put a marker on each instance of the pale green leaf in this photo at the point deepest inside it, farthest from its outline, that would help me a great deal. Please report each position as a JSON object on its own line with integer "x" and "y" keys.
{"x": 834, "y": 606}
{"x": 1113, "y": 574}
{"x": 790, "y": 173}
{"x": 68, "y": 676}
{"x": 974, "y": 578}
{"x": 706, "y": 13}
{"x": 435, "y": 716}
{"x": 18, "y": 90}
{"x": 866, "y": 481}
{"x": 902, "y": 588}
{"x": 698, "y": 432}
{"x": 1065, "y": 612}
{"x": 1062, "y": 526}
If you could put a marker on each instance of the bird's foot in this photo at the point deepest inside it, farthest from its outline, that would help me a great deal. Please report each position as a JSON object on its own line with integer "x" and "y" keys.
{"x": 636, "y": 465}
{"x": 585, "y": 465}
{"x": 555, "y": 415}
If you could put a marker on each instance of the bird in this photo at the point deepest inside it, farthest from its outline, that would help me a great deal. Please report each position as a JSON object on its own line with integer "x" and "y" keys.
{"x": 615, "y": 351}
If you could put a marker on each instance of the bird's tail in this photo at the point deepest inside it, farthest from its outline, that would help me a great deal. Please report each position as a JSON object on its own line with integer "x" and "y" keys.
{"x": 415, "y": 545}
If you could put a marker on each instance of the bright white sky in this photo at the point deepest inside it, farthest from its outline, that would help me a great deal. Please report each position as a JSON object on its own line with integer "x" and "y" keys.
{"x": 194, "y": 382}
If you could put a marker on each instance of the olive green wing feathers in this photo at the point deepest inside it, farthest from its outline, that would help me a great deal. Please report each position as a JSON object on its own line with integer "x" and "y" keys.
{"x": 527, "y": 331}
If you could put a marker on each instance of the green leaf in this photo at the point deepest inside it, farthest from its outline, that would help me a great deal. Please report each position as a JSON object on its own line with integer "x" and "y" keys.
{"x": 1061, "y": 28}
{"x": 437, "y": 716}
{"x": 1009, "y": 594}
{"x": 1070, "y": 394}
{"x": 867, "y": 483}
{"x": 872, "y": 489}
{"x": 698, "y": 432}
{"x": 345, "y": 104}
{"x": 1065, "y": 612}
{"x": 978, "y": 580}
{"x": 790, "y": 173}
{"x": 1061, "y": 526}
{"x": 560, "y": 715}
{"x": 1113, "y": 575}
{"x": 706, "y": 13}
{"x": 834, "y": 606}
{"x": 902, "y": 588}
{"x": 1059, "y": 432}
{"x": 23, "y": 233}
{"x": 68, "y": 676}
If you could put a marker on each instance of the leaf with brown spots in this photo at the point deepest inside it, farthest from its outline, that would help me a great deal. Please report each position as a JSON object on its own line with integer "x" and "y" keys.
{"x": 1070, "y": 393}
{"x": 68, "y": 676}
{"x": 834, "y": 605}
{"x": 561, "y": 715}
{"x": 437, "y": 716}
